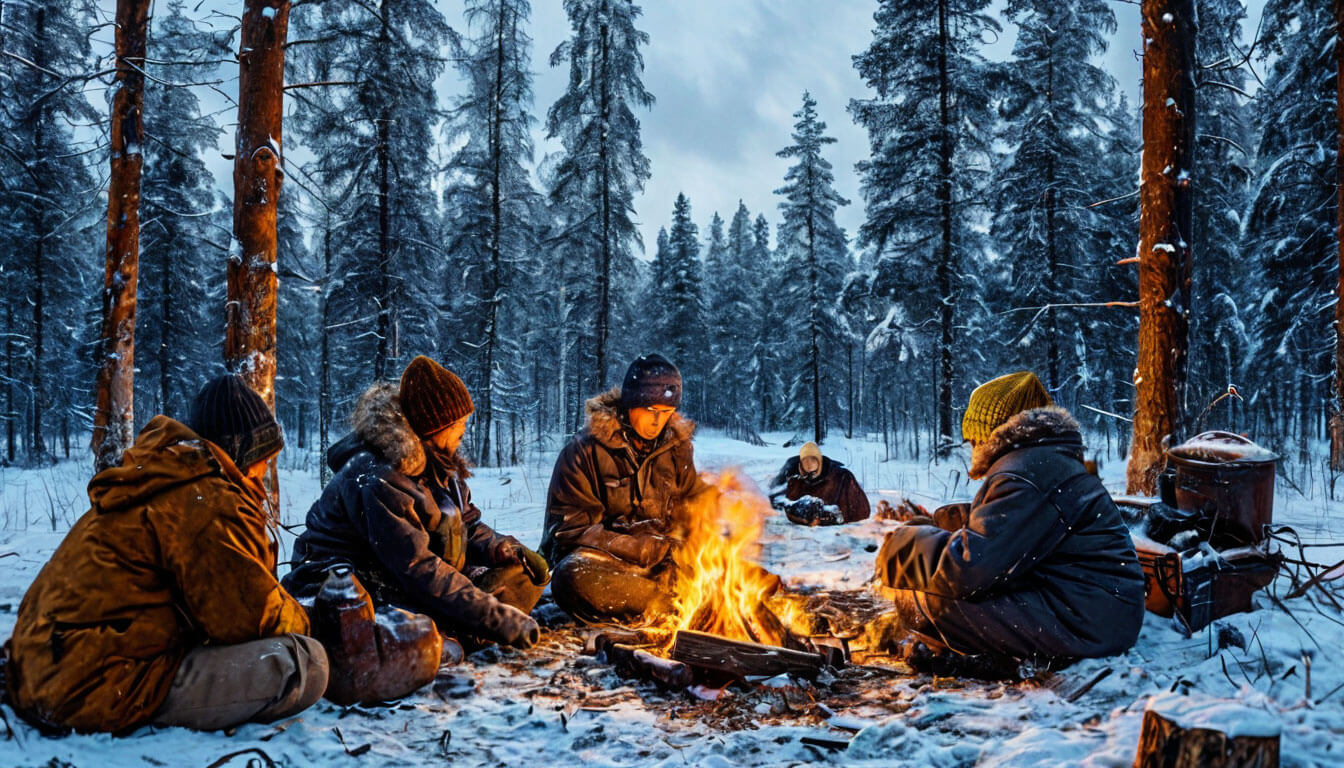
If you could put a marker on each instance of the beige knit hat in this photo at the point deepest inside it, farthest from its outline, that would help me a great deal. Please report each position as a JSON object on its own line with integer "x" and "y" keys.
{"x": 809, "y": 449}
{"x": 996, "y": 401}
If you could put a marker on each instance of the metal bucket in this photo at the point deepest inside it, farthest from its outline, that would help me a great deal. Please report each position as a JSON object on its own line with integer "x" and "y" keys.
{"x": 1228, "y": 481}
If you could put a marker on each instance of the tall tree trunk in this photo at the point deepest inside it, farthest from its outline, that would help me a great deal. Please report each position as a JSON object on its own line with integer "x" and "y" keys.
{"x": 37, "y": 446}
{"x": 604, "y": 265}
{"x": 946, "y": 256}
{"x": 383, "y": 157}
{"x": 814, "y": 351}
{"x": 1052, "y": 253}
{"x": 1164, "y": 235}
{"x": 258, "y": 172}
{"x": 11, "y": 413}
{"x": 114, "y": 412}
{"x": 494, "y": 283}
{"x": 1337, "y": 422}
{"x": 165, "y": 325}
{"x": 324, "y": 395}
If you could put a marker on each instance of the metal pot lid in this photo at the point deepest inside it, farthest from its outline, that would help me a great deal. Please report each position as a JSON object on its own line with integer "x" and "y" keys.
{"x": 1218, "y": 447}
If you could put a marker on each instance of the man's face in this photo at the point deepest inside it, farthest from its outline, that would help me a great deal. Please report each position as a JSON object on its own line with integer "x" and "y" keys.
{"x": 257, "y": 470}
{"x": 810, "y": 465}
{"x": 450, "y": 437}
{"x": 648, "y": 422}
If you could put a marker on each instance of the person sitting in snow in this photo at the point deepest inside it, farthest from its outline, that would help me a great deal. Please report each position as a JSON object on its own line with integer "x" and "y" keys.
{"x": 615, "y": 507}
{"x": 398, "y": 512}
{"x": 1040, "y": 565}
{"x": 810, "y": 474}
{"x": 161, "y": 605}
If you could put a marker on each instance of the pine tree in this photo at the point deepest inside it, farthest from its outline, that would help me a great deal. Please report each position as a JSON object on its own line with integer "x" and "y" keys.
{"x": 592, "y": 187}
{"x": 767, "y": 333}
{"x": 1221, "y": 295}
{"x": 298, "y": 328}
{"x": 922, "y": 184}
{"x": 1290, "y": 225}
{"x": 815, "y": 259}
{"x": 185, "y": 225}
{"x": 678, "y": 331}
{"x": 493, "y": 214}
{"x": 1043, "y": 226}
{"x": 47, "y": 201}
{"x": 369, "y": 122}
{"x": 733, "y": 312}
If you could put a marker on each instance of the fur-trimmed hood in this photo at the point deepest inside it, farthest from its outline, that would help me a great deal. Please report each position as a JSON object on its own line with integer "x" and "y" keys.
{"x": 604, "y": 422}
{"x": 1050, "y": 424}
{"x": 380, "y": 428}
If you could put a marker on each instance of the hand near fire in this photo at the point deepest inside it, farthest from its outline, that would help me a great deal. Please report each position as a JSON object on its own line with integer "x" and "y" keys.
{"x": 508, "y": 551}
{"x": 904, "y": 511}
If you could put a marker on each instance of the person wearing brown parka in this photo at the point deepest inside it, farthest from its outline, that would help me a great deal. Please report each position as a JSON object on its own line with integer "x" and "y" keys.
{"x": 399, "y": 514}
{"x": 825, "y": 480}
{"x": 619, "y": 493}
{"x": 1040, "y": 565}
{"x": 162, "y": 605}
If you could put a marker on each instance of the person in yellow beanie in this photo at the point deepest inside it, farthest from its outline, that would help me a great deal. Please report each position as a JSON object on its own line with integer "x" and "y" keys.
{"x": 399, "y": 513}
{"x": 819, "y": 483}
{"x": 1039, "y": 566}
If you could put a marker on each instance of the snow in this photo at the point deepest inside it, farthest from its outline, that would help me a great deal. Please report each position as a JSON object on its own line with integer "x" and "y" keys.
{"x": 520, "y": 708}
{"x": 1199, "y": 711}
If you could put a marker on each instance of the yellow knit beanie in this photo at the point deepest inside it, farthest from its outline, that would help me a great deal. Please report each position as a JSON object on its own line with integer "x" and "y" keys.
{"x": 996, "y": 401}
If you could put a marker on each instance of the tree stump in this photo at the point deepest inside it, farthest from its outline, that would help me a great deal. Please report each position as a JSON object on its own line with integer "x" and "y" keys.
{"x": 1203, "y": 732}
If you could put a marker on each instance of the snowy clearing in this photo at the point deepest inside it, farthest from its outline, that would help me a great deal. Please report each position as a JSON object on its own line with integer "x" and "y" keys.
{"x": 553, "y": 703}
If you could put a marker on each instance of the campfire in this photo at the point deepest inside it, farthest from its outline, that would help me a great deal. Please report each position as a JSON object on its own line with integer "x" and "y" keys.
{"x": 729, "y": 616}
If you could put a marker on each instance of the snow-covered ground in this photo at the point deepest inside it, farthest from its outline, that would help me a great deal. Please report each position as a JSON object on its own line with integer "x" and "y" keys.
{"x": 554, "y": 704}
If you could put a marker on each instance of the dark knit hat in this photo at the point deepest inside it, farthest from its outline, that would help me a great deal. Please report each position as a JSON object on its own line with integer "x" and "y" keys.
{"x": 231, "y": 415}
{"x": 996, "y": 401}
{"x": 432, "y": 397}
{"x": 651, "y": 380}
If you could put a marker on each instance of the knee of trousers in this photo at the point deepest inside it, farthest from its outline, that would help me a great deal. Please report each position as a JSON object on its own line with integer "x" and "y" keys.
{"x": 308, "y": 680}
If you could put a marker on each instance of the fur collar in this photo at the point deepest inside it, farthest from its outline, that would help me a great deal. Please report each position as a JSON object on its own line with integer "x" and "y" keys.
{"x": 380, "y": 426}
{"x": 604, "y": 422}
{"x": 1020, "y": 431}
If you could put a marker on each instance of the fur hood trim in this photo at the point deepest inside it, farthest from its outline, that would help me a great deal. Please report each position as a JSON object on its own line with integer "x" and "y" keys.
{"x": 1020, "y": 431}
{"x": 381, "y": 427}
{"x": 604, "y": 422}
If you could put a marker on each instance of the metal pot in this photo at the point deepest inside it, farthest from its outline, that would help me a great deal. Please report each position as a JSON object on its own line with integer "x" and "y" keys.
{"x": 1228, "y": 481}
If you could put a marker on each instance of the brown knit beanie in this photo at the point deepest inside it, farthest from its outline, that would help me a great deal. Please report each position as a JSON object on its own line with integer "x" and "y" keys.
{"x": 432, "y": 397}
{"x": 996, "y": 401}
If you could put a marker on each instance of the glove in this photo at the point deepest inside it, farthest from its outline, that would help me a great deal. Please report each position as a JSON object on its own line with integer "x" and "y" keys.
{"x": 640, "y": 550}
{"x": 517, "y": 629}
{"x": 506, "y": 551}
{"x": 535, "y": 566}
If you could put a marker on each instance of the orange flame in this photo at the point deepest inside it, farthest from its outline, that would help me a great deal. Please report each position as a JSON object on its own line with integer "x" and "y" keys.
{"x": 719, "y": 587}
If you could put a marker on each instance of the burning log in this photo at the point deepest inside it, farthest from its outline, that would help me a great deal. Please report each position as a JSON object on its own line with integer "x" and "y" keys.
{"x": 637, "y": 662}
{"x": 743, "y": 659}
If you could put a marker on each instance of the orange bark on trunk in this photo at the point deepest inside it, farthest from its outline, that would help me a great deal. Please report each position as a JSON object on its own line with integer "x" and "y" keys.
{"x": 114, "y": 413}
{"x": 1165, "y": 217}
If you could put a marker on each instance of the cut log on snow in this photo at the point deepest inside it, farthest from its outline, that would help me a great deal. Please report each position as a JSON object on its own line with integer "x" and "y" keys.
{"x": 742, "y": 659}
{"x": 639, "y": 663}
{"x": 1190, "y": 731}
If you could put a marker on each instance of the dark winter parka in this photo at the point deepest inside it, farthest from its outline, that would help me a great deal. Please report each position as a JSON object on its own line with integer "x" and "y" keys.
{"x": 1043, "y": 566}
{"x": 833, "y": 485}
{"x": 174, "y": 552}
{"x": 606, "y": 497}
{"x": 406, "y": 533}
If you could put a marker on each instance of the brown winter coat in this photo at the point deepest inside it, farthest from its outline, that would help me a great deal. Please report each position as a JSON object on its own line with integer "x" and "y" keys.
{"x": 602, "y": 496}
{"x": 407, "y": 533}
{"x": 833, "y": 485}
{"x": 173, "y": 553}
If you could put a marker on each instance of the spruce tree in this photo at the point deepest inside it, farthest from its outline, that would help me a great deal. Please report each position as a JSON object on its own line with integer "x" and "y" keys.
{"x": 1043, "y": 226}
{"x": 493, "y": 214}
{"x": 815, "y": 259}
{"x": 923, "y": 183}
{"x": 593, "y": 185}
{"x": 1290, "y": 225}
{"x": 678, "y": 326}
